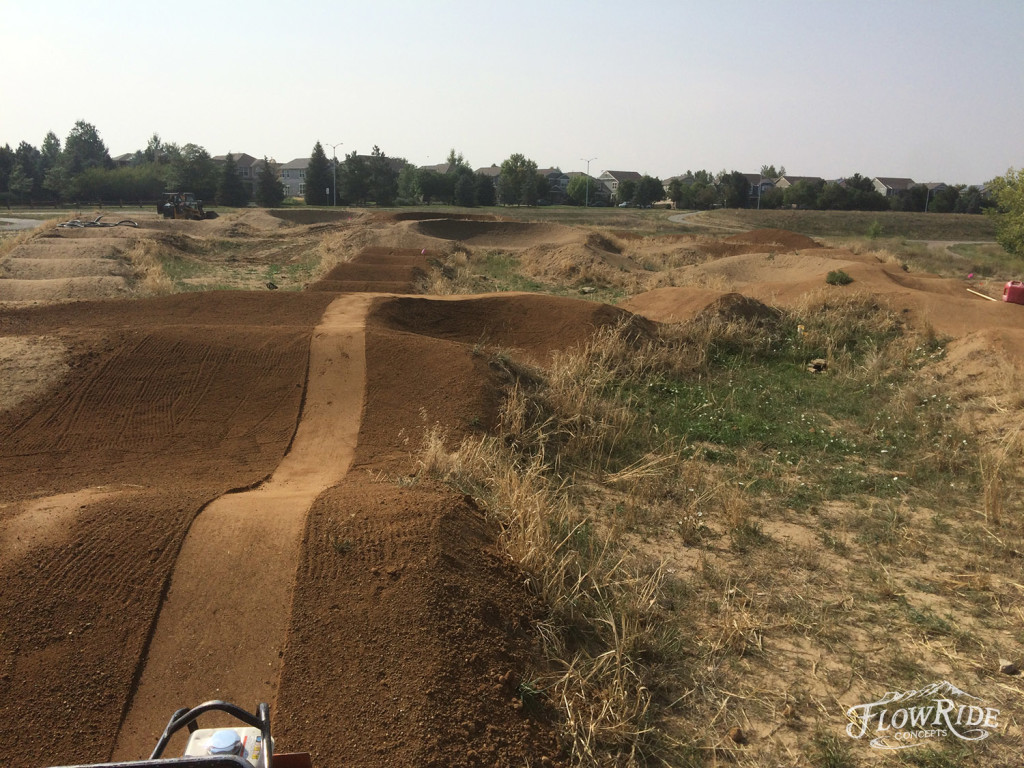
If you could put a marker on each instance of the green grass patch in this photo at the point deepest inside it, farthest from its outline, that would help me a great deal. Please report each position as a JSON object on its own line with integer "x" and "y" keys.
{"x": 838, "y": 277}
{"x": 913, "y": 226}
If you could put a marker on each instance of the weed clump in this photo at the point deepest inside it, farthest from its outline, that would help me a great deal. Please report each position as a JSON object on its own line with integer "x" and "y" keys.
{"x": 838, "y": 277}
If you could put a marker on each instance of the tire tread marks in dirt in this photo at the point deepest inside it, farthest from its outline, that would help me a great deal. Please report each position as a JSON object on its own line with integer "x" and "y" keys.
{"x": 377, "y": 270}
{"x": 410, "y": 631}
{"x": 172, "y": 403}
{"x": 167, "y": 397}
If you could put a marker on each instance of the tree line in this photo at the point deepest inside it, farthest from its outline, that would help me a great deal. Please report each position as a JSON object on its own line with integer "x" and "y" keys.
{"x": 81, "y": 169}
{"x": 702, "y": 190}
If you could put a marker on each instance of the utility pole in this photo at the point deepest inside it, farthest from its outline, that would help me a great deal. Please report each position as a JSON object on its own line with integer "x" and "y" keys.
{"x": 587, "y": 161}
{"x": 334, "y": 168}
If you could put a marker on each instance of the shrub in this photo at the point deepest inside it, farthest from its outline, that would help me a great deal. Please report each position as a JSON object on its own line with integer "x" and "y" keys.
{"x": 838, "y": 277}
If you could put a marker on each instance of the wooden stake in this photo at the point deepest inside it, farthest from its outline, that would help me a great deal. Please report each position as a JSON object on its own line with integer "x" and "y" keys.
{"x": 969, "y": 290}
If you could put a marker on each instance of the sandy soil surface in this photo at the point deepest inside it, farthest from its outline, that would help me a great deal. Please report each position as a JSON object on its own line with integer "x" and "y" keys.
{"x": 193, "y": 488}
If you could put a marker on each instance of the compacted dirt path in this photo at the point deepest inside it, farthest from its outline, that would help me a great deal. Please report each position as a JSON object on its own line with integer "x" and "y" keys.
{"x": 222, "y": 628}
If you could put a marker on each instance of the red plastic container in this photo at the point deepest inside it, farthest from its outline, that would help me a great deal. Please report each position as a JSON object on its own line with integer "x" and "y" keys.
{"x": 1013, "y": 291}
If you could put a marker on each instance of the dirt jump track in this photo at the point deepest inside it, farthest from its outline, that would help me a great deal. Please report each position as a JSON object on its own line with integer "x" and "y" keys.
{"x": 172, "y": 516}
{"x": 201, "y": 504}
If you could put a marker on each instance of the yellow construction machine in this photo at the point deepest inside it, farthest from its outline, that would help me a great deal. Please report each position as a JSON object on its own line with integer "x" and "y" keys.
{"x": 183, "y": 205}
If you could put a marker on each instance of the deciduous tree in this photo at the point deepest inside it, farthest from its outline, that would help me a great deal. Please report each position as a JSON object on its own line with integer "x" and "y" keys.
{"x": 1008, "y": 195}
{"x": 626, "y": 192}
{"x": 517, "y": 184}
{"x": 191, "y": 169}
{"x": 353, "y": 179}
{"x": 649, "y": 190}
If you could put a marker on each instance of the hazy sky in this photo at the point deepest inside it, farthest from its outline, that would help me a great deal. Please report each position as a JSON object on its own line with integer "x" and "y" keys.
{"x": 933, "y": 90}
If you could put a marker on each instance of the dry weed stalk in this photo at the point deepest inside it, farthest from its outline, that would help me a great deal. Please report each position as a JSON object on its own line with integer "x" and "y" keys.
{"x": 145, "y": 257}
{"x": 604, "y": 609}
{"x": 995, "y": 463}
{"x": 8, "y": 244}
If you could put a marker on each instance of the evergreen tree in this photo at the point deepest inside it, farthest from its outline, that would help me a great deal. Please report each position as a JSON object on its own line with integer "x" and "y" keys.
{"x": 464, "y": 190}
{"x": 269, "y": 190}
{"x": 485, "y": 194}
{"x": 84, "y": 149}
{"x": 231, "y": 191}
{"x": 7, "y": 163}
{"x": 319, "y": 178}
{"x": 382, "y": 178}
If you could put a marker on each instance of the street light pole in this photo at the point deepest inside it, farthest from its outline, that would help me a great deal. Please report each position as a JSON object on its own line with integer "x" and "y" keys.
{"x": 334, "y": 168}
{"x": 587, "y": 161}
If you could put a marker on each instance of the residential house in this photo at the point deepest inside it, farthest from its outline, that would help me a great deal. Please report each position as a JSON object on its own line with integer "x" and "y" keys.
{"x": 686, "y": 180}
{"x": 441, "y": 168}
{"x": 785, "y": 182}
{"x": 758, "y": 186}
{"x": 612, "y": 179}
{"x": 248, "y": 168}
{"x": 890, "y": 186}
{"x": 293, "y": 176}
{"x": 494, "y": 171}
{"x": 558, "y": 184}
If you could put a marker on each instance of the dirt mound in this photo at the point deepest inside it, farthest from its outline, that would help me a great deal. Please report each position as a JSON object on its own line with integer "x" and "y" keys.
{"x": 578, "y": 263}
{"x": 406, "y": 624}
{"x": 673, "y": 304}
{"x": 411, "y": 629}
{"x": 41, "y": 268}
{"x": 63, "y": 289}
{"x": 312, "y": 215}
{"x": 736, "y": 306}
{"x": 780, "y": 238}
{"x": 56, "y": 265}
{"x": 738, "y": 271}
{"x": 389, "y": 216}
{"x": 378, "y": 269}
{"x": 497, "y": 234}
{"x": 531, "y": 323}
{"x": 165, "y": 405}
{"x": 74, "y": 246}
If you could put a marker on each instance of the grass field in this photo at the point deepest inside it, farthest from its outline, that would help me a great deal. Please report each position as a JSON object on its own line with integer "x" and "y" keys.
{"x": 886, "y": 224}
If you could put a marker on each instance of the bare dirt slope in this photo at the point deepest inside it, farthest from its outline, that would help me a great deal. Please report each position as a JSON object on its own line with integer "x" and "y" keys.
{"x": 165, "y": 406}
{"x": 786, "y": 279}
{"x": 163, "y": 425}
{"x": 113, "y": 492}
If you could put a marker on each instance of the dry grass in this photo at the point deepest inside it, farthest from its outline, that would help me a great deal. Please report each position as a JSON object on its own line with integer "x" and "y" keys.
{"x": 720, "y": 600}
{"x": 10, "y": 241}
{"x": 147, "y": 258}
